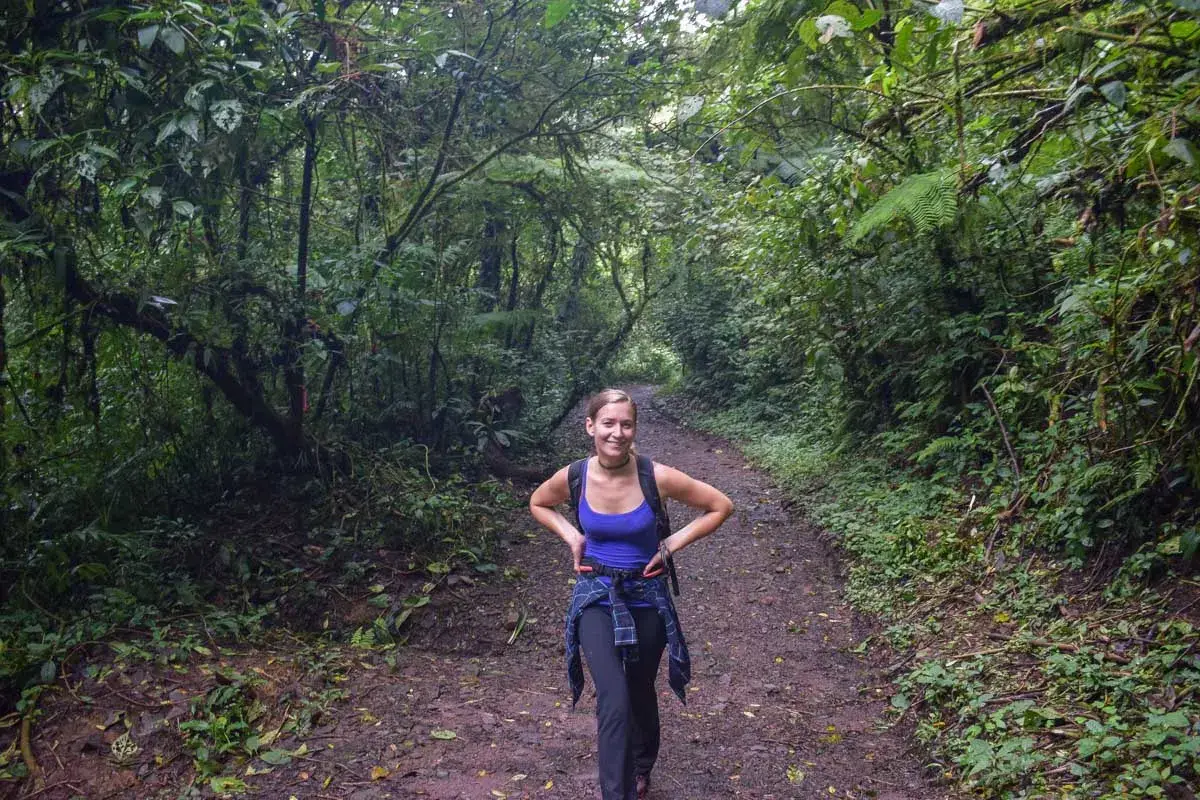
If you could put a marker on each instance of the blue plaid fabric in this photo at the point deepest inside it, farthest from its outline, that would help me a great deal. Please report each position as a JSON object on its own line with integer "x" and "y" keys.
{"x": 591, "y": 589}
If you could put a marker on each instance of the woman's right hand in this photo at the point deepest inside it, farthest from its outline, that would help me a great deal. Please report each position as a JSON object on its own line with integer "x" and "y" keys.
{"x": 576, "y": 544}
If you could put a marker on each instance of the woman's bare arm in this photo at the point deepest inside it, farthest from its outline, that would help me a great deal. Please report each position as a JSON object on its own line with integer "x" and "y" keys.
{"x": 697, "y": 494}
{"x": 542, "y": 506}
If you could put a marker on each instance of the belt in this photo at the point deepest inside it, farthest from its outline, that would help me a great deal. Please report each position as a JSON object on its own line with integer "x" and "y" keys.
{"x": 619, "y": 575}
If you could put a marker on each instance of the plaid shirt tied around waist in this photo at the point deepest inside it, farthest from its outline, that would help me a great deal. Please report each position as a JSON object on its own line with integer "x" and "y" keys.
{"x": 590, "y": 589}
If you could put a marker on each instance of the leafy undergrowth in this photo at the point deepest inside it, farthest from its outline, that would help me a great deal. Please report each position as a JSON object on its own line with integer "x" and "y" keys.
{"x": 181, "y": 635}
{"x": 1026, "y": 676}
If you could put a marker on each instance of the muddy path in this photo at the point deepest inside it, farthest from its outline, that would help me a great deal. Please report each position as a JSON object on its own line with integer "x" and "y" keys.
{"x": 779, "y": 707}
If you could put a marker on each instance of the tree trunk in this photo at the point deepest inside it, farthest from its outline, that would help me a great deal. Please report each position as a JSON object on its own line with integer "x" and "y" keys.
{"x": 245, "y": 204}
{"x": 598, "y": 363}
{"x": 59, "y": 394}
{"x": 293, "y": 369}
{"x": 581, "y": 260}
{"x": 514, "y": 285}
{"x": 491, "y": 256}
{"x": 88, "y": 333}
{"x": 233, "y": 375}
{"x": 3, "y": 383}
{"x": 547, "y": 273}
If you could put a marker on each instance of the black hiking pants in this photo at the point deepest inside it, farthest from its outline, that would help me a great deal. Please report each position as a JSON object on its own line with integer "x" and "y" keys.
{"x": 626, "y": 702}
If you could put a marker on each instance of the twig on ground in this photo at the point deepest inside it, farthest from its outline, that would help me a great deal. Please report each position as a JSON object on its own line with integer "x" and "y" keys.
{"x": 129, "y": 699}
{"x": 53, "y": 786}
{"x": 54, "y": 752}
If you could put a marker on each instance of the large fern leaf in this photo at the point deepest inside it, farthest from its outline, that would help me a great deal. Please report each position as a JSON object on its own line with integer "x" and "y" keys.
{"x": 928, "y": 201}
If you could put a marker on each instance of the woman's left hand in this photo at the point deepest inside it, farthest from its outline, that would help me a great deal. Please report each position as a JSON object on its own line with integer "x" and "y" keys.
{"x": 655, "y": 566}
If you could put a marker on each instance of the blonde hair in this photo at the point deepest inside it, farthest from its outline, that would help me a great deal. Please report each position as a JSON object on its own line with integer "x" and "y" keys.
{"x": 605, "y": 396}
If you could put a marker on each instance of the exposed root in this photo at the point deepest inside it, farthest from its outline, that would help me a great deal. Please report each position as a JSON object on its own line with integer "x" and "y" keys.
{"x": 31, "y": 765}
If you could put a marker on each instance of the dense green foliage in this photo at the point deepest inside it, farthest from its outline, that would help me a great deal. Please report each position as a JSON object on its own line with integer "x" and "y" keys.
{"x": 1027, "y": 678}
{"x": 956, "y": 307}
{"x": 973, "y": 235}
{"x": 240, "y": 236}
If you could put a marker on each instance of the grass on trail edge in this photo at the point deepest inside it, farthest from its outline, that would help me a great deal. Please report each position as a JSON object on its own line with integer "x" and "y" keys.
{"x": 1025, "y": 678}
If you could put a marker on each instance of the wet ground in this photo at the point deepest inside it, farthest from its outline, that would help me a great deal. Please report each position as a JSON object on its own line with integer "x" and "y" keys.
{"x": 780, "y": 705}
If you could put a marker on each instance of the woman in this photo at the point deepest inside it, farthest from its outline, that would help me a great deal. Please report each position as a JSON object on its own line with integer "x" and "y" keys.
{"x": 621, "y": 614}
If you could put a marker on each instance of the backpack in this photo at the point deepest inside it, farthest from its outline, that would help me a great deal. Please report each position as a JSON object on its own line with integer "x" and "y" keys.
{"x": 645, "y": 471}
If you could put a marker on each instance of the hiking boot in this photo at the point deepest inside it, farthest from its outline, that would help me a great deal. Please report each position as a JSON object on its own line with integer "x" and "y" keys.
{"x": 643, "y": 787}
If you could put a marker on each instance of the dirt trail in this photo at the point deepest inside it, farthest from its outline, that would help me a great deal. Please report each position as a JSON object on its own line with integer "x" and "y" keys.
{"x": 779, "y": 706}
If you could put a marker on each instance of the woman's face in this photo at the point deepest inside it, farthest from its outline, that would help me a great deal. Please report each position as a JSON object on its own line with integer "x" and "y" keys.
{"x": 612, "y": 430}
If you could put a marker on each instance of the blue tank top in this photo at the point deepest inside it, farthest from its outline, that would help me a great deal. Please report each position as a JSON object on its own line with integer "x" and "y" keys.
{"x": 622, "y": 541}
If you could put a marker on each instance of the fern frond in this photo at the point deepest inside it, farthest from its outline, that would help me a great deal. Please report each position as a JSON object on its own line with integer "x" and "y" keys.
{"x": 362, "y": 639}
{"x": 1145, "y": 468}
{"x": 939, "y": 446}
{"x": 928, "y": 201}
{"x": 1095, "y": 475}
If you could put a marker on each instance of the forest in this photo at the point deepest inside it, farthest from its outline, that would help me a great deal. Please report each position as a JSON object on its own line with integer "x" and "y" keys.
{"x": 297, "y": 295}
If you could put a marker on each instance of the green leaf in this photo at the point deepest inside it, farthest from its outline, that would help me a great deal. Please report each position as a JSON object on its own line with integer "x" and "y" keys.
{"x": 226, "y": 785}
{"x": 867, "y": 19}
{"x": 277, "y": 758}
{"x": 1181, "y": 149}
{"x": 173, "y": 39}
{"x": 1184, "y": 30}
{"x": 443, "y": 734}
{"x": 1114, "y": 92}
{"x": 104, "y": 151}
{"x": 903, "y": 38}
{"x": 936, "y": 49}
{"x": 556, "y": 12}
{"x": 146, "y": 36}
{"x": 166, "y": 130}
{"x": 190, "y": 124}
{"x": 806, "y": 31}
{"x": 124, "y": 186}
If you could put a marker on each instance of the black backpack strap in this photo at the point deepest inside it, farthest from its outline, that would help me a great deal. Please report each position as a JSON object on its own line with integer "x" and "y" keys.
{"x": 645, "y": 470}
{"x": 575, "y": 485}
